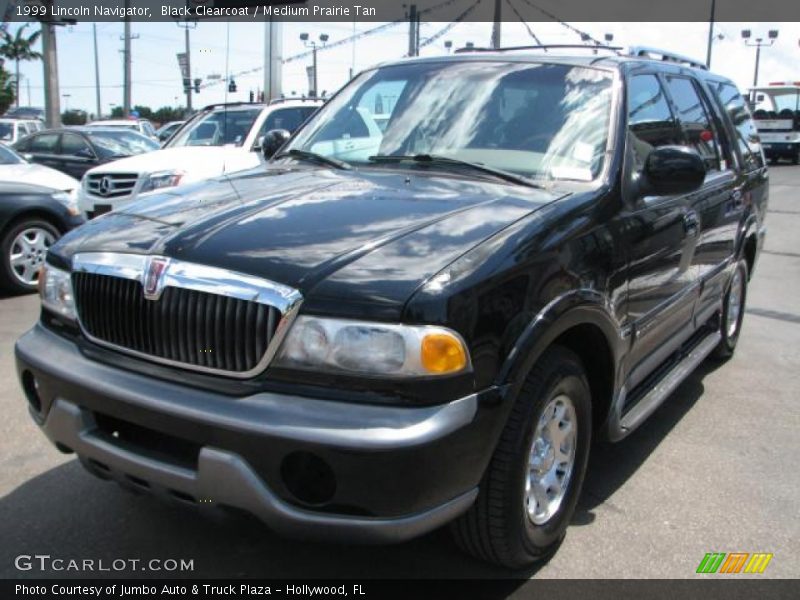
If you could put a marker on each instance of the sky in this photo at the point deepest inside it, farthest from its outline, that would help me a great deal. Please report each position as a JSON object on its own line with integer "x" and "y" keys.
{"x": 239, "y": 46}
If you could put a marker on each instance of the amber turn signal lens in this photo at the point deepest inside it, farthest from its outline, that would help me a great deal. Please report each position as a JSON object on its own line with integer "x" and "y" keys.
{"x": 443, "y": 353}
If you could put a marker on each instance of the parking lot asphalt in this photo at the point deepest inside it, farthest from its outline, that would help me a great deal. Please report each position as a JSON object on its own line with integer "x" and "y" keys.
{"x": 713, "y": 470}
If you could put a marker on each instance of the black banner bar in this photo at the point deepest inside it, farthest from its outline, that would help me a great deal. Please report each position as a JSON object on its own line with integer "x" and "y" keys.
{"x": 394, "y": 10}
{"x": 711, "y": 588}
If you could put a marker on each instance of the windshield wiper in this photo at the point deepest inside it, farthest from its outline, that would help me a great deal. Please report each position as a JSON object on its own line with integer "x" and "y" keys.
{"x": 446, "y": 160}
{"x": 320, "y": 158}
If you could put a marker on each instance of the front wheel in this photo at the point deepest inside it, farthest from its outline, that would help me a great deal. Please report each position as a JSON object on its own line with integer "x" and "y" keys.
{"x": 529, "y": 491}
{"x": 732, "y": 311}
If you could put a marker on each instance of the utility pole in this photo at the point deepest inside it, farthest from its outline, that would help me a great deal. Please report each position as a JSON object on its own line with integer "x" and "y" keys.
{"x": 498, "y": 18}
{"x": 188, "y": 88}
{"x": 126, "y": 99}
{"x": 710, "y": 33}
{"x": 413, "y": 31}
{"x": 52, "y": 100}
{"x": 99, "y": 113}
{"x": 273, "y": 59}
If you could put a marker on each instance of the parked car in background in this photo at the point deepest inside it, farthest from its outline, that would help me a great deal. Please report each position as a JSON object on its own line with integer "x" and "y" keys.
{"x": 15, "y": 169}
{"x": 142, "y": 126}
{"x": 75, "y": 150}
{"x": 32, "y": 218}
{"x": 219, "y": 139}
{"x": 164, "y": 132}
{"x": 777, "y": 118}
{"x": 26, "y": 112}
{"x": 13, "y": 130}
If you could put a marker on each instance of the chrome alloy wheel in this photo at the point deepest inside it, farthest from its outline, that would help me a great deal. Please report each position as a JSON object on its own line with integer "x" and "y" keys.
{"x": 734, "y": 303}
{"x": 551, "y": 460}
{"x": 28, "y": 251}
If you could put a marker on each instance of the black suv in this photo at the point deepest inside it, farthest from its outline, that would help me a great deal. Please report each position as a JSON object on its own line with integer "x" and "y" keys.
{"x": 423, "y": 309}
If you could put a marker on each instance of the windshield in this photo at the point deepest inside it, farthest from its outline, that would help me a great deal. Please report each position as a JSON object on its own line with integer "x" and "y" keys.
{"x": 120, "y": 143}
{"x": 541, "y": 121}
{"x": 217, "y": 128}
{"x": 6, "y": 131}
{"x": 9, "y": 157}
{"x": 785, "y": 101}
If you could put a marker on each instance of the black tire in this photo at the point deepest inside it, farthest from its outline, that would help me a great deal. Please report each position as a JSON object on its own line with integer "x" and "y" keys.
{"x": 8, "y": 279}
{"x": 730, "y": 335}
{"x": 796, "y": 158}
{"x": 497, "y": 527}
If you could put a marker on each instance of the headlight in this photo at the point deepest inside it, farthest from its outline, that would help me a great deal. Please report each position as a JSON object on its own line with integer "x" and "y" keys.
{"x": 55, "y": 289}
{"x": 68, "y": 199}
{"x": 161, "y": 179}
{"x": 372, "y": 348}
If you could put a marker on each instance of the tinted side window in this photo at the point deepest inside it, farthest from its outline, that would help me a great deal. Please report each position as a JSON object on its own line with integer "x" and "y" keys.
{"x": 695, "y": 120}
{"x": 650, "y": 120}
{"x": 746, "y": 134}
{"x": 73, "y": 144}
{"x": 286, "y": 118}
{"x": 46, "y": 143}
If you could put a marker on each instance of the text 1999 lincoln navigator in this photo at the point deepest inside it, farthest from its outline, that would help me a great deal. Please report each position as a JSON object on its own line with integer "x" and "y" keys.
{"x": 422, "y": 309}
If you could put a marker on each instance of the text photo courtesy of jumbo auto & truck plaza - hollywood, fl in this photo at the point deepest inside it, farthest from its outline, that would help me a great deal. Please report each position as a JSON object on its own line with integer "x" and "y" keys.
{"x": 376, "y": 299}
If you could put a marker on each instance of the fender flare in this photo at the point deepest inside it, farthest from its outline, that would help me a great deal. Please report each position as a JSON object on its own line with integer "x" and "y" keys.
{"x": 577, "y": 307}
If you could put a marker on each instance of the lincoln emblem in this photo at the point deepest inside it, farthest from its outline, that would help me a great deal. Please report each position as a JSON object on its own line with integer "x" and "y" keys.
{"x": 153, "y": 281}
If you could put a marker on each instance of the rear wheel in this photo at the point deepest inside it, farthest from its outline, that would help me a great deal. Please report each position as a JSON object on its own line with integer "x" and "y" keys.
{"x": 732, "y": 311}
{"x": 796, "y": 157}
{"x": 24, "y": 248}
{"x": 528, "y": 494}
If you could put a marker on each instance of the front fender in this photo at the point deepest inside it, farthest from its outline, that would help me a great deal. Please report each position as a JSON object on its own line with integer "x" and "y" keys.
{"x": 574, "y": 308}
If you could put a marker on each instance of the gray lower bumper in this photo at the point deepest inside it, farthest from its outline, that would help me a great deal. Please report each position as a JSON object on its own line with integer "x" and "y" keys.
{"x": 228, "y": 479}
{"x": 73, "y": 387}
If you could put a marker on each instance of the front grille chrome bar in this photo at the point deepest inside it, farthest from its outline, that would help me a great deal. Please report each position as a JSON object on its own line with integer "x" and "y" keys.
{"x": 184, "y": 276}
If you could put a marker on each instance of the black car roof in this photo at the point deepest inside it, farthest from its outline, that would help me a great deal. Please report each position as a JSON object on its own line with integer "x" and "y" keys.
{"x": 606, "y": 60}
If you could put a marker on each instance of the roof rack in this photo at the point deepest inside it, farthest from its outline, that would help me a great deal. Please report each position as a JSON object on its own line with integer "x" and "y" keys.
{"x": 664, "y": 55}
{"x": 226, "y": 104}
{"x": 295, "y": 98}
{"x": 615, "y": 49}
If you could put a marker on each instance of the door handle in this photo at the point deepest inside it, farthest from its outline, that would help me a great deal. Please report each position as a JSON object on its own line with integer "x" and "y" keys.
{"x": 691, "y": 223}
{"x": 737, "y": 199}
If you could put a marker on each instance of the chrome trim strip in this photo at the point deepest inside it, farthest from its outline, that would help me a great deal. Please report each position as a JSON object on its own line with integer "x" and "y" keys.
{"x": 201, "y": 278}
{"x": 191, "y": 276}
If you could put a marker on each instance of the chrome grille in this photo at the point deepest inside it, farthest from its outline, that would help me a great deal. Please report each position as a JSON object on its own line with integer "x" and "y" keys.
{"x": 111, "y": 185}
{"x": 203, "y": 324}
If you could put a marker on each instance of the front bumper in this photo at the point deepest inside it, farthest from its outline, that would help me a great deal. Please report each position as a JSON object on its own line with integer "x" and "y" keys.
{"x": 781, "y": 149}
{"x": 398, "y": 472}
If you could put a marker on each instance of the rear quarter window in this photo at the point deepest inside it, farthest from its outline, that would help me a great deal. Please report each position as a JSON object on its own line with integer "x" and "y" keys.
{"x": 747, "y": 139}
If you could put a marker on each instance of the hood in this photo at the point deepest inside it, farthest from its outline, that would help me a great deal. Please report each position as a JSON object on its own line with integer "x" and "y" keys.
{"x": 196, "y": 161}
{"x": 371, "y": 237}
{"x": 42, "y": 176}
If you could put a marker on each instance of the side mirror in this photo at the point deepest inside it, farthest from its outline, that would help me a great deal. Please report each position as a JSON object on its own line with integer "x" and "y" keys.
{"x": 672, "y": 170}
{"x": 28, "y": 156}
{"x": 272, "y": 141}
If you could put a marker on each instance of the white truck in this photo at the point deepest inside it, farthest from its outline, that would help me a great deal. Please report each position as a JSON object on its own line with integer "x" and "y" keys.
{"x": 777, "y": 118}
{"x": 219, "y": 139}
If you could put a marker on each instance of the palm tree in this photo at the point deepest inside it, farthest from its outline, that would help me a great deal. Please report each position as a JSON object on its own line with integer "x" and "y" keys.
{"x": 19, "y": 47}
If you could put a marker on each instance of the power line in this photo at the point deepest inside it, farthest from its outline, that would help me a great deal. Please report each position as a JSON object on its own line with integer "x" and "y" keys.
{"x": 524, "y": 22}
{"x": 584, "y": 36}
{"x": 450, "y": 26}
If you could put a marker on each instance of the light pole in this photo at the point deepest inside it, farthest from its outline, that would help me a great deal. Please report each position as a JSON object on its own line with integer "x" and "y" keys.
{"x": 758, "y": 43}
{"x": 309, "y": 43}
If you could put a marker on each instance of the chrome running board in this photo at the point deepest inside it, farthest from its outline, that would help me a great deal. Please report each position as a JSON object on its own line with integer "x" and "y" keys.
{"x": 669, "y": 383}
